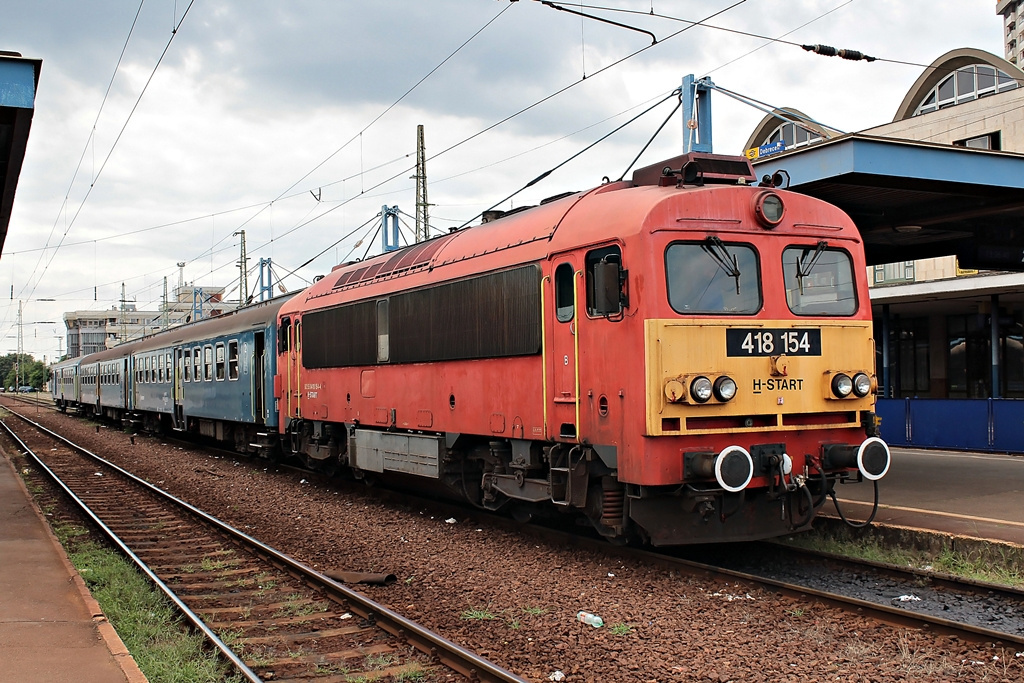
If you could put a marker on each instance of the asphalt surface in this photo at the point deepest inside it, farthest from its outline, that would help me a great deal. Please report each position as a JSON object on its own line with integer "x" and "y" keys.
{"x": 970, "y": 494}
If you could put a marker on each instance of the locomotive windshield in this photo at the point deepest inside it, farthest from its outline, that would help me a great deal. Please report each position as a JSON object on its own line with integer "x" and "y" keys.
{"x": 713, "y": 277}
{"x": 819, "y": 280}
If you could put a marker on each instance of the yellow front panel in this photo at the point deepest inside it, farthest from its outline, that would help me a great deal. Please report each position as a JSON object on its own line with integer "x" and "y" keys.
{"x": 774, "y": 391}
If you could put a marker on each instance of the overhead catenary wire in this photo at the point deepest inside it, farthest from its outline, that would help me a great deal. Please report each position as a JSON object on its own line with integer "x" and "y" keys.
{"x": 359, "y": 135}
{"x": 477, "y": 134}
{"x": 110, "y": 153}
{"x": 803, "y": 46}
{"x": 515, "y": 114}
{"x": 91, "y": 138}
{"x": 545, "y": 174}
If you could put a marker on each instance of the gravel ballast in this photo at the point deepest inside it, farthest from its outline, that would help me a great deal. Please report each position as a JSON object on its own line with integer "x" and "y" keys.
{"x": 514, "y": 599}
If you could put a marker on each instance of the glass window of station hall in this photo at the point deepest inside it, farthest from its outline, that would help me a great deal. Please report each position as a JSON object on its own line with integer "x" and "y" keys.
{"x": 969, "y": 348}
{"x": 966, "y": 352}
{"x": 965, "y": 84}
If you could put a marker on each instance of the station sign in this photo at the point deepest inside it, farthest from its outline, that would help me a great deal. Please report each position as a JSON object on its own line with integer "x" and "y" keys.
{"x": 766, "y": 150}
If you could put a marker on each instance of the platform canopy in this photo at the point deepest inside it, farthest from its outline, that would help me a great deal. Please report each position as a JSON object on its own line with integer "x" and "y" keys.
{"x": 914, "y": 200}
{"x": 18, "y": 80}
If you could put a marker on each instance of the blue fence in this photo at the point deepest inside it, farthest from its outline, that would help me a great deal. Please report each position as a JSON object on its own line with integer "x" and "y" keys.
{"x": 992, "y": 424}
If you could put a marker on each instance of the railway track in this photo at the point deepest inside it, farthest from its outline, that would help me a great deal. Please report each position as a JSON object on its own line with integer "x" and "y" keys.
{"x": 973, "y": 611}
{"x": 272, "y": 617}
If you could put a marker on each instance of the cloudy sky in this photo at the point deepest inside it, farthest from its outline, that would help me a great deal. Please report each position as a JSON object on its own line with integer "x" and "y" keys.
{"x": 296, "y": 121}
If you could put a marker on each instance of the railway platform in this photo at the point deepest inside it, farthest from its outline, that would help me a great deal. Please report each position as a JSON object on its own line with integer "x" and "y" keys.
{"x": 975, "y": 495}
{"x": 51, "y": 628}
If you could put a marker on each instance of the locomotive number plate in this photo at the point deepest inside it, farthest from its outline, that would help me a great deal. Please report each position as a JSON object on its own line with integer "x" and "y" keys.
{"x": 764, "y": 342}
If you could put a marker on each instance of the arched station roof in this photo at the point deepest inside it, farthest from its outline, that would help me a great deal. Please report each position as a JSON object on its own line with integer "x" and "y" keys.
{"x": 777, "y": 122}
{"x": 937, "y": 72}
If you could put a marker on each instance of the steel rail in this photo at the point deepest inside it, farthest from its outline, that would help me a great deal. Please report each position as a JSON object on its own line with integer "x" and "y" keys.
{"x": 883, "y": 612}
{"x": 193, "y": 618}
{"x": 452, "y": 655}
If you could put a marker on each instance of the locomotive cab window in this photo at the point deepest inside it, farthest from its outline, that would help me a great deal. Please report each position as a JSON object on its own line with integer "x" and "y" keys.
{"x": 603, "y": 274}
{"x": 819, "y": 280}
{"x": 283, "y": 334}
{"x": 713, "y": 277}
{"x": 565, "y": 304}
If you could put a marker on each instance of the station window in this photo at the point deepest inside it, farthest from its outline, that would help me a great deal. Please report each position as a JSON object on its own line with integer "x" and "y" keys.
{"x": 965, "y": 84}
{"x": 208, "y": 363}
{"x": 220, "y": 361}
{"x": 565, "y": 304}
{"x": 233, "y": 359}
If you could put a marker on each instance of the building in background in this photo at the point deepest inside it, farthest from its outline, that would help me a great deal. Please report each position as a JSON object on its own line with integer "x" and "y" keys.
{"x": 1012, "y": 12}
{"x": 92, "y": 331}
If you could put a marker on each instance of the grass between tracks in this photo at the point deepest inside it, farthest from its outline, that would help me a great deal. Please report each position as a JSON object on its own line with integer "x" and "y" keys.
{"x": 991, "y": 563}
{"x": 159, "y": 640}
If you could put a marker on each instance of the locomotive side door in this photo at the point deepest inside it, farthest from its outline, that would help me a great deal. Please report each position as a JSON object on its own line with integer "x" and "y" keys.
{"x": 562, "y": 362}
{"x": 295, "y": 370}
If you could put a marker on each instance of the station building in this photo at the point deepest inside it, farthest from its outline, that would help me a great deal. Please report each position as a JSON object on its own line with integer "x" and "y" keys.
{"x": 949, "y": 336}
{"x": 93, "y": 331}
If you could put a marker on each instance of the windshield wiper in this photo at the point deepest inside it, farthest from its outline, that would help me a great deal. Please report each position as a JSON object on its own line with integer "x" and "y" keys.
{"x": 715, "y": 248}
{"x": 805, "y": 264}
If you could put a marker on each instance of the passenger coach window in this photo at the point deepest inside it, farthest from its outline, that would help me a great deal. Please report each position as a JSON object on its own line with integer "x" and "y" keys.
{"x": 565, "y": 304}
{"x": 233, "y": 359}
{"x": 188, "y": 366}
{"x": 207, "y": 363}
{"x": 819, "y": 280}
{"x": 196, "y": 365}
{"x": 713, "y": 277}
{"x": 220, "y": 361}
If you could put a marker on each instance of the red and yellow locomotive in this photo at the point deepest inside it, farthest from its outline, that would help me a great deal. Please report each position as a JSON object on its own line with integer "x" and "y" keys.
{"x": 683, "y": 357}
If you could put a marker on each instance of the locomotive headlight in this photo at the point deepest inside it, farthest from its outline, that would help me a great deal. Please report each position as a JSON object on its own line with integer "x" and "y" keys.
{"x": 769, "y": 209}
{"x": 842, "y": 385}
{"x": 724, "y": 388}
{"x": 861, "y": 384}
{"x": 700, "y": 389}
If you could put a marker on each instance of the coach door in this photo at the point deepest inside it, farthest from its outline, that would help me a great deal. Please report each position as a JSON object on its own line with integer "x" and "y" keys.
{"x": 561, "y": 343}
{"x": 178, "y": 389}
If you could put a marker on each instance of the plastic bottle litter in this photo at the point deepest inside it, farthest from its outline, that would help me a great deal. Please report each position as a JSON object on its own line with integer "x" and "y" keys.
{"x": 588, "y": 618}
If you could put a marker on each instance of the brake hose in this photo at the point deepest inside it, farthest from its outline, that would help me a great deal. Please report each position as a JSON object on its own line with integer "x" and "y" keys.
{"x": 856, "y": 525}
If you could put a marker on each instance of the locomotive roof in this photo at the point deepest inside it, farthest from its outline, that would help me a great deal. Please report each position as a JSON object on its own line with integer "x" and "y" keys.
{"x": 616, "y": 210}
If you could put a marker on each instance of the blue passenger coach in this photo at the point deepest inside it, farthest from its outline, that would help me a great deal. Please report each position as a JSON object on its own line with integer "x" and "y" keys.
{"x": 213, "y": 377}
